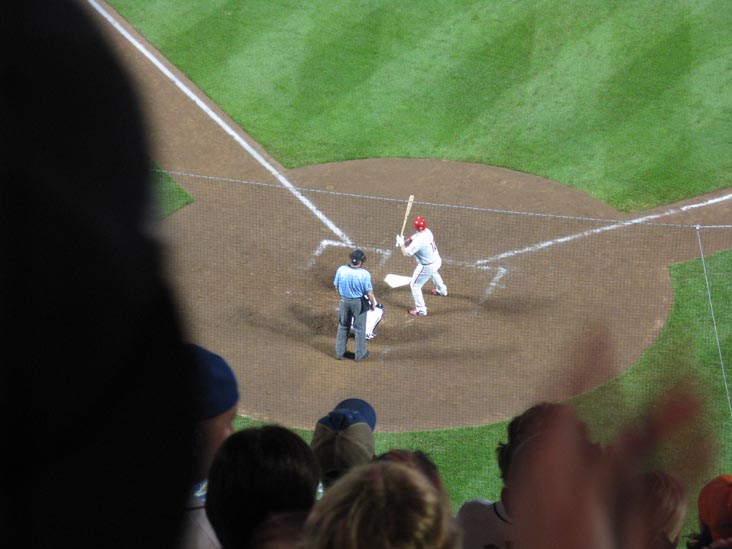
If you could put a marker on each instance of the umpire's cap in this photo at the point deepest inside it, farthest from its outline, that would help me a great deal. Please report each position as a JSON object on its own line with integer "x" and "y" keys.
{"x": 357, "y": 256}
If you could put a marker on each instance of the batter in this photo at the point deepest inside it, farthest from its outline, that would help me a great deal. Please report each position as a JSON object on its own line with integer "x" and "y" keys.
{"x": 421, "y": 245}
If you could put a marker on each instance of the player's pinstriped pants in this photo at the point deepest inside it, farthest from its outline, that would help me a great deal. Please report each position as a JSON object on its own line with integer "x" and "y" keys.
{"x": 421, "y": 275}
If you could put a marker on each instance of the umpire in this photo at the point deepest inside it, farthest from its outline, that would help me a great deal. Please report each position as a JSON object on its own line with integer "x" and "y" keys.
{"x": 353, "y": 282}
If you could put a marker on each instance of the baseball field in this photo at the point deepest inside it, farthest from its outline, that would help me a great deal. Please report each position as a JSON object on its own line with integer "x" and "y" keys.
{"x": 572, "y": 160}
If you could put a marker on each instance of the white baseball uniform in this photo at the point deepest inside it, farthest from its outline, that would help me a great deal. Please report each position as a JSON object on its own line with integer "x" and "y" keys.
{"x": 424, "y": 250}
{"x": 373, "y": 317}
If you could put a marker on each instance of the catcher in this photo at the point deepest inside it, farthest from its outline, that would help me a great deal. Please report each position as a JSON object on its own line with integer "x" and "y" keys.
{"x": 373, "y": 317}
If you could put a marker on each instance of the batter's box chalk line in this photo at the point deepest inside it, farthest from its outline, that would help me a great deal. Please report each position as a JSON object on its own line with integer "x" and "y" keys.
{"x": 325, "y": 244}
{"x": 498, "y": 272}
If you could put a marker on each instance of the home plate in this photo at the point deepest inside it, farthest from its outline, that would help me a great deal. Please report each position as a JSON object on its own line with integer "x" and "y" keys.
{"x": 394, "y": 281}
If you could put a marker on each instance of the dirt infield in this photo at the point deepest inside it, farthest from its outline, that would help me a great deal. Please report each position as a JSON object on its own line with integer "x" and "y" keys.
{"x": 254, "y": 277}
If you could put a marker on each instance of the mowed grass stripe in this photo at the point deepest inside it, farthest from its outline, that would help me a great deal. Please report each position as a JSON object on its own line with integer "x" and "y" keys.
{"x": 626, "y": 101}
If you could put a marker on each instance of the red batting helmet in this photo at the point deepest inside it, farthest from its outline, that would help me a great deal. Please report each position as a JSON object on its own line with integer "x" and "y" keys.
{"x": 419, "y": 223}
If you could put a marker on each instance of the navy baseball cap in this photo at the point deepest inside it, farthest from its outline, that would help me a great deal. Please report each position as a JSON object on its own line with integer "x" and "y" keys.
{"x": 357, "y": 256}
{"x": 217, "y": 387}
{"x": 359, "y": 409}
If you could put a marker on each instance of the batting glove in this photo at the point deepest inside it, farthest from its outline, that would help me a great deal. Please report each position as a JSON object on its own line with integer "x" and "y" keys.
{"x": 399, "y": 241}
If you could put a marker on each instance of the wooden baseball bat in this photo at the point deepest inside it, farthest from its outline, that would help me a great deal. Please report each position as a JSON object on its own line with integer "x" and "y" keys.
{"x": 406, "y": 214}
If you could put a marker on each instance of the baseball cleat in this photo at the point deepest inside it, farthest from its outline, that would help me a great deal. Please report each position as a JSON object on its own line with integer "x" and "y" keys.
{"x": 435, "y": 291}
{"x": 370, "y": 336}
{"x": 415, "y": 312}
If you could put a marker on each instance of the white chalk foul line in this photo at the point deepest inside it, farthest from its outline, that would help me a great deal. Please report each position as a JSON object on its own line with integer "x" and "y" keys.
{"x": 706, "y": 203}
{"x": 222, "y": 123}
{"x": 619, "y": 225}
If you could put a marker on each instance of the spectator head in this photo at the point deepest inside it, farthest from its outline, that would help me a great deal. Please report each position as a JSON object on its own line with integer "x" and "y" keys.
{"x": 524, "y": 428}
{"x": 218, "y": 395}
{"x": 381, "y": 504}
{"x": 280, "y": 531}
{"x": 344, "y": 438}
{"x": 416, "y": 460}
{"x": 663, "y": 500}
{"x": 258, "y": 472}
{"x": 715, "y": 507}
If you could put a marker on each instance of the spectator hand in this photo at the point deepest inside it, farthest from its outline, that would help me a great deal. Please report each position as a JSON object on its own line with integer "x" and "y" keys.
{"x": 566, "y": 497}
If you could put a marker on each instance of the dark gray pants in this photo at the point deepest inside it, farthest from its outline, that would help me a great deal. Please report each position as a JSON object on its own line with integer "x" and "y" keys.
{"x": 347, "y": 309}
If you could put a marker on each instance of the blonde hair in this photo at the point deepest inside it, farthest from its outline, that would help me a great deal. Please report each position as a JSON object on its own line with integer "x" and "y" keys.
{"x": 381, "y": 504}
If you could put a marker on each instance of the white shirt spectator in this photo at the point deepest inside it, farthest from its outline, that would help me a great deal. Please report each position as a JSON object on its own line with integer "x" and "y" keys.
{"x": 485, "y": 525}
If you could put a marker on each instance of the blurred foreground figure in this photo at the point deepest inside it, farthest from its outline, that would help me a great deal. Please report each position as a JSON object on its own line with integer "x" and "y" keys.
{"x": 96, "y": 393}
{"x": 565, "y": 498}
{"x": 488, "y": 524}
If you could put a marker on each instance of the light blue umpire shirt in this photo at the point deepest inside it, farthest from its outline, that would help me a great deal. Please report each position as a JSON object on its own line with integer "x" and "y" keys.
{"x": 352, "y": 282}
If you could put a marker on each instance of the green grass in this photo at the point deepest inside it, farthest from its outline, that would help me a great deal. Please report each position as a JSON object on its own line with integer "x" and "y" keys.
{"x": 169, "y": 195}
{"x": 628, "y": 101}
